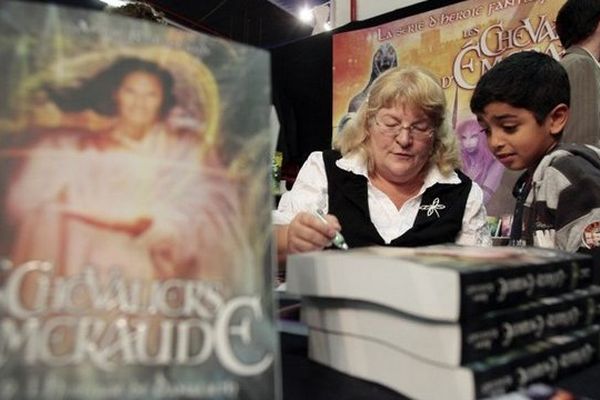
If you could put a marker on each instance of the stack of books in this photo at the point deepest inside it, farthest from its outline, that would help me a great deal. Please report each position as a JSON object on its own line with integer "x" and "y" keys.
{"x": 449, "y": 322}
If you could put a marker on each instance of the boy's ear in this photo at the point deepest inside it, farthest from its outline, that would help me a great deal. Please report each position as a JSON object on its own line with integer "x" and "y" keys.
{"x": 557, "y": 119}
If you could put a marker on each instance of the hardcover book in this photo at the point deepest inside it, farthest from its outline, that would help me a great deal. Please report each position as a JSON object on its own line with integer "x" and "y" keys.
{"x": 443, "y": 282}
{"x": 455, "y": 344}
{"x": 542, "y": 361}
{"x": 135, "y": 232}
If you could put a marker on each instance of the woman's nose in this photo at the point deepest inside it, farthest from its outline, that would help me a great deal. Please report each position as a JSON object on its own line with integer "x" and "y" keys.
{"x": 404, "y": 137}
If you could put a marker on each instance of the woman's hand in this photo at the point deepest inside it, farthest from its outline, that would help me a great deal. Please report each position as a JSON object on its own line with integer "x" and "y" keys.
{"x": 133, "y": 227}
{"x": 307, "y": 232}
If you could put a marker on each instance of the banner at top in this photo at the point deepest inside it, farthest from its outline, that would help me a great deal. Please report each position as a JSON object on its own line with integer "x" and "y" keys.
{"x": 458, "y": 43}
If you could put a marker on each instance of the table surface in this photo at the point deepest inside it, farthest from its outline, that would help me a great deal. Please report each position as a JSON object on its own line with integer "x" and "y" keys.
{"x": 304, "y": 379}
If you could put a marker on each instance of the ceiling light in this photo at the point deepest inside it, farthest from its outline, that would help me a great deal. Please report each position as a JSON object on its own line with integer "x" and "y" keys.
{"x": 114, "y": 3}
{"x": 305, "y": 14}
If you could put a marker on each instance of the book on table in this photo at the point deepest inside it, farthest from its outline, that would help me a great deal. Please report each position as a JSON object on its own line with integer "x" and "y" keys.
{"x": 455, "y": 344}
{"x": 545, "y": 360}
{"x": 135, "y": 232}
{"x": 444, "y": 282}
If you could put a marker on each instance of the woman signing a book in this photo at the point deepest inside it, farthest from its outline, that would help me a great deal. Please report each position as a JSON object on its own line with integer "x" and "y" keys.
{"x": 392, "y": 178}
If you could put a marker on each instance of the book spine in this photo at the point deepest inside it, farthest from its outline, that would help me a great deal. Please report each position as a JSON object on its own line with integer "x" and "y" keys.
{"x": 497, "y": 332}
{"x": 488, "y": 290}
{"x": 544, "y": 361}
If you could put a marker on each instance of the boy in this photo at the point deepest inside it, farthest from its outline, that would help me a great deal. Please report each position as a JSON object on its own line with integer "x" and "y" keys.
{"x": 522, "y": 104}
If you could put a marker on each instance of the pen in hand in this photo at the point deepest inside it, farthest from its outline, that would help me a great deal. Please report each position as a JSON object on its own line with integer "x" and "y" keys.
{"x": 338, "y": 240}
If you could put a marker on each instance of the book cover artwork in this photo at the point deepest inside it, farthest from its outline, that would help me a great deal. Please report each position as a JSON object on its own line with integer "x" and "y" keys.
{"x": 135, "y": 245}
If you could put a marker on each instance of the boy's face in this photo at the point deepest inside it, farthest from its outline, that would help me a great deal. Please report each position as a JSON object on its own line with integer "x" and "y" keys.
{"x": 515, "y": 137}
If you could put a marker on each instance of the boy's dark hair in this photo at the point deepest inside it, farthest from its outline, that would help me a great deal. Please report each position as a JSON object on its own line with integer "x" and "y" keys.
{"x": 530, "y": 80}
{"x": 577, "y": 20}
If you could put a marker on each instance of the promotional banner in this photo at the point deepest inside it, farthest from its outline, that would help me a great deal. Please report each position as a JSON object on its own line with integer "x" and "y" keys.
{"x": 458, "y": 43}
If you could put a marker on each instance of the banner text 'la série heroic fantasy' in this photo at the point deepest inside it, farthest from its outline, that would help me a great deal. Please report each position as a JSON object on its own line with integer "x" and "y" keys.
{"x": 486, "y": 47}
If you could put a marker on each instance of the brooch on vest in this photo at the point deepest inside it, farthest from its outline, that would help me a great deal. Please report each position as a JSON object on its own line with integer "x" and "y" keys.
{"x": 433, "y": 207}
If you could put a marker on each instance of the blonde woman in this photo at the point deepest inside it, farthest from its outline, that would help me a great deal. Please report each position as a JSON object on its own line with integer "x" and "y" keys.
{"x": 392, "y": 178}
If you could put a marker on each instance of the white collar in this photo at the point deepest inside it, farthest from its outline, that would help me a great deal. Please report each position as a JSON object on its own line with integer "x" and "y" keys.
{"x": 354, "y": 163}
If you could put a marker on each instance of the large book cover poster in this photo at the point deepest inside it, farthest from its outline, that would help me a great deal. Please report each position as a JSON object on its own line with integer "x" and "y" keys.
{"x": 135, "y": 244}
{"x": 458, "y": 43}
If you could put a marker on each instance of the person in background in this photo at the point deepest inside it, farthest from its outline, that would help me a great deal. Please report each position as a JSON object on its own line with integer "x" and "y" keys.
{"x": 522, "y": 104}
{"x": 392, "y": 180}
{"x": 578, "y": 27}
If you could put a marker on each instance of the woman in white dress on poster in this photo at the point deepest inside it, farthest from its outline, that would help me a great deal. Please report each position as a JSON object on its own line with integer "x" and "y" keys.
{"x": 121, "y": 184}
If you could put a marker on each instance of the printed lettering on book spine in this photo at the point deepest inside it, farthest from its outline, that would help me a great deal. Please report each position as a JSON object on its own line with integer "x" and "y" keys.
{"x": 487, "y": 290}
{"x": 543, "y": 361}
{"x": 498, "y": 331}
{"x": 135, "y": 238}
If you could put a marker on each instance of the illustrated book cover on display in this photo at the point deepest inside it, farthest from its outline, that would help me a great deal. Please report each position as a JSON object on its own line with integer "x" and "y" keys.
{"x": 443, "y": 282}
{"x": 135, "y": 236}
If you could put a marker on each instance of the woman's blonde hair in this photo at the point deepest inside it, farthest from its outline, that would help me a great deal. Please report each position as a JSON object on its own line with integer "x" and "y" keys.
{"x": 412, "y": 86}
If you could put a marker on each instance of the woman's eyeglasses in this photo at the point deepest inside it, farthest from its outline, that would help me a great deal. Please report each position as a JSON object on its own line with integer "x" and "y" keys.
{"x": 420, "y": 131}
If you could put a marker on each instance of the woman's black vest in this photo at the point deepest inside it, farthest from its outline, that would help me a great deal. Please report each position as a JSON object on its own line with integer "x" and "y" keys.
{"x": 438, "y": 221}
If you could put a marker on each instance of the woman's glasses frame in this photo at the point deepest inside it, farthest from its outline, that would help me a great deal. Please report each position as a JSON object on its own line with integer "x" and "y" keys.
{"x": 415, "y": 131}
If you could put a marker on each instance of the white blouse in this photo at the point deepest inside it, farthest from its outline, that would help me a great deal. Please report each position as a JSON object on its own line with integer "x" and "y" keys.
{"x": 310, "y": 192}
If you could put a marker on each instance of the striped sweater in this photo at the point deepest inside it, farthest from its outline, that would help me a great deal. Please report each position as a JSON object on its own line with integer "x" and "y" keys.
{"x": 562, "y": 207}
